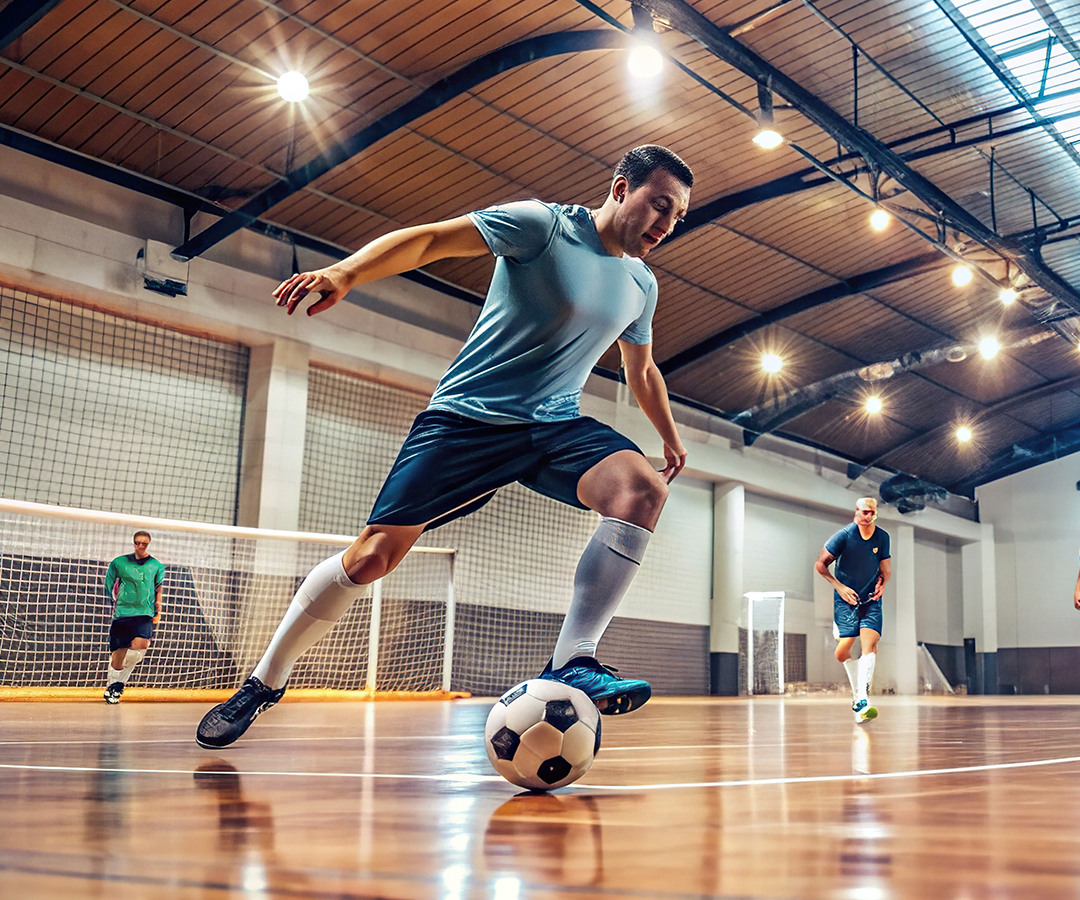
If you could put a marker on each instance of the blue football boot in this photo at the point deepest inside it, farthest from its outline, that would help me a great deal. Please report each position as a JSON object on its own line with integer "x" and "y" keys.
{"x": 612, "y": 695}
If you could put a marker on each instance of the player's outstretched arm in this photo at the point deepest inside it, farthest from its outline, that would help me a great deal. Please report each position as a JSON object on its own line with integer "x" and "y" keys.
{"x": 1076, "y": 593}
{"x": 399, "y": 251}
{"x": 649, "y": 389}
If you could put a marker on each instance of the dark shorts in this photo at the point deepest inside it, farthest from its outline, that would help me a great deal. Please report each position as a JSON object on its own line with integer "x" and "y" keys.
{"x": 125, "y": 629}
{"x": 850, "y": 620}
{"x": 450, "y": 465}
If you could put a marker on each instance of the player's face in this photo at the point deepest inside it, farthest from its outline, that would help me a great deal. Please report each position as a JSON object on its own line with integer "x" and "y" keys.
{"x": 647, "y": 214}
{"x": 865, "y": 516}
{"x": 142, "y": 547}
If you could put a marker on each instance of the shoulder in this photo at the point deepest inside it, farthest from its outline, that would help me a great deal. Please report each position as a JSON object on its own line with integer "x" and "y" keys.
{"x": 519, "y": 230}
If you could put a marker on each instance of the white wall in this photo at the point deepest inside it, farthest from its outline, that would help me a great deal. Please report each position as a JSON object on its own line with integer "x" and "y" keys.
{"x": 1036, "y": 518}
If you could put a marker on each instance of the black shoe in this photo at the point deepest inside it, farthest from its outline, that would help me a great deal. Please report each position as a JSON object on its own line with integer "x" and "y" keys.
{"x": 113, "y": 692}
{"x": 227, "y": 721}
{"x": 612, "y": 695}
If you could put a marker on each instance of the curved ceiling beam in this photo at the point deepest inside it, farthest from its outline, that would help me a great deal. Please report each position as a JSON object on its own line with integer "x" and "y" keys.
{"x": 1001, "y": 406}
{"x": 1024, "y": 455}
{"x": 432, "y": 98}
{"x": 19, "y": 16}
{"x": 769, "y": 417}
{"x": 857, "y": 284}
{"x": 693, "y": 24}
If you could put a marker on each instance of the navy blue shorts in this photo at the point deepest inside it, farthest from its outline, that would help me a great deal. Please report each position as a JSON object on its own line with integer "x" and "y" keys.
{"x": 450, "y": 465}
{"x": 851, "y": 619}
{"x": 125, "y": 629}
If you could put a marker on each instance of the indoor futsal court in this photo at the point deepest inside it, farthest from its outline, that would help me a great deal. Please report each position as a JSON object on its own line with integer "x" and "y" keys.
{"x": 731, "y": 349}
{"x": 726, "y": 798}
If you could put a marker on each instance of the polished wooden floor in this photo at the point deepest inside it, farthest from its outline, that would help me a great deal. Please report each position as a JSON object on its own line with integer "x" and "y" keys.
{"x": 961, "y": 797}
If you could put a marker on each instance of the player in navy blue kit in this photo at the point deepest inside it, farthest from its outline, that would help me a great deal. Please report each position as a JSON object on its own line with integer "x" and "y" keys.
{"x": 863, "y": 568}
{"x": 569, "y": 282}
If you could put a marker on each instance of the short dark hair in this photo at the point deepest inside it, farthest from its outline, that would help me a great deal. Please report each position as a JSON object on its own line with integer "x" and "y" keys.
{"x": 637, "y": 165}
{"x": 145, "y": 534}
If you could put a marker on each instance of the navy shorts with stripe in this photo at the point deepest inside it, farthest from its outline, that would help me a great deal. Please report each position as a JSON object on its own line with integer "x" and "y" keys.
{"x": 451, "y": 465}
{"x": 851, "y": 619}
{"x": 125, "y": 629}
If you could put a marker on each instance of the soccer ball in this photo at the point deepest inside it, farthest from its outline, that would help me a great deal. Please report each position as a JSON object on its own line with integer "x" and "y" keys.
{"x": 542, "y": 734}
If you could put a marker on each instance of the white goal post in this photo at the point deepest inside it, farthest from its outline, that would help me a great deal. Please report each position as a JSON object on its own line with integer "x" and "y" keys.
{"x": 763, "y": 620}
{"x": 226, "y": 588}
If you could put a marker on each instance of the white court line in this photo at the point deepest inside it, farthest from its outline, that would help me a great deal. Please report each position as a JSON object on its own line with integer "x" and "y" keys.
{"x": 481, "y": 779}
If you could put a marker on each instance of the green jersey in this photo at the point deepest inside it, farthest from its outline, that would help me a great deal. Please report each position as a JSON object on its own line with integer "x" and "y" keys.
{"x": 131, "y": 585}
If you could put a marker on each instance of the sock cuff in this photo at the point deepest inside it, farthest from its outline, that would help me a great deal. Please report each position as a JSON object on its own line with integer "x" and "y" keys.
{"x": 624, "y": 538}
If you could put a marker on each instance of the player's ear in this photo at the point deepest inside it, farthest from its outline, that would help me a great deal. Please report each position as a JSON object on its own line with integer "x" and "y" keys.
{"x": 620, "y": 187}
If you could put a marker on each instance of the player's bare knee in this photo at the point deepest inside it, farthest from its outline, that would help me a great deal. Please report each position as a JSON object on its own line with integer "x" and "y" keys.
{"x": 375, "y": 554}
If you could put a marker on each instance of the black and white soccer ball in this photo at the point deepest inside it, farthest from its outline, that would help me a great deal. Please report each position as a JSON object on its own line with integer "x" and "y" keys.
{"x": 542, "y": 734}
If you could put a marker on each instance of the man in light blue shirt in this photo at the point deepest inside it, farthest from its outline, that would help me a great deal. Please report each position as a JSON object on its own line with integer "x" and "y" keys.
{"x": 568, "y": 282}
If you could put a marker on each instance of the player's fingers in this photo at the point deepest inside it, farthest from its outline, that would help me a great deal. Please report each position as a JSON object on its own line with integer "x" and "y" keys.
{"x": 328, "y": 299}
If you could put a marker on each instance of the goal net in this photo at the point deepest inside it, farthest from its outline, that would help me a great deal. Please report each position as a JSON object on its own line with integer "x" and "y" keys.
{"x": 761, "y": 643}
{"x": 225, "y": 590}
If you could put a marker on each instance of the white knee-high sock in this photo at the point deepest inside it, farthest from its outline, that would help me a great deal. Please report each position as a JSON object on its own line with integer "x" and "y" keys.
{"x": 866, "y": 673}
{"x": 851, "y": 666}
{"x": 323, "y": 598}
{"x": 131, "y": 659}
{"x": 607, "y": 566}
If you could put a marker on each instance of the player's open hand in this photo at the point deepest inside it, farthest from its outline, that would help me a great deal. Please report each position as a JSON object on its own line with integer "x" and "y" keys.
{"x": 675, "y": 459}
{"x": 848, "y": 595}
{"x": 327, "y": 283}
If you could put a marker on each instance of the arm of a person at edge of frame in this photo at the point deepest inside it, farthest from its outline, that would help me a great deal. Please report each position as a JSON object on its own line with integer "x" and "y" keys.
{"x": 884, "y": 574}
{"x": 821, "y": 566}
{"x": 649, "y": 389}
{"x": 399, "y": 251}
{"x": 157, "y": 605}
{"x": 1076, "y": 593}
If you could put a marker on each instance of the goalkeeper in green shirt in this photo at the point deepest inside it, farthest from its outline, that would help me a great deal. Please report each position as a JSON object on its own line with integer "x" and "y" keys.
{"x": 133, "y": 586}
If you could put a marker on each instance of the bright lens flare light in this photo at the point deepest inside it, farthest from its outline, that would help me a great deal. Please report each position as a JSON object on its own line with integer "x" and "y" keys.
{"x": 879, "y": 220}
{"x": 963, "y": 434}
{"x": 961, "y": 276}
{"x": 645, "y": 61}
{"x": 989, "y": 347}
{"x": 1007, "y": 296}
{"x": 873, "y": 405}
{"x": 293, "y": 87}
{"x": 768, "y": 139}
{"x": 771, "y": 363}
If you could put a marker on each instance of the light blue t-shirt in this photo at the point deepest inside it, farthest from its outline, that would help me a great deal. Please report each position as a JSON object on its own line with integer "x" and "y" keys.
{"x": 556, "y": 302}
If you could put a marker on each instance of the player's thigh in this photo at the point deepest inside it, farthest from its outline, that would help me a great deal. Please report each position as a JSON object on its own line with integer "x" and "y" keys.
{"x": 846, "y": 618}
{"x": 448, "y": 467}
{"x": 868, "y": 639}
{"x": 584, "y": 462}
{"x": 870, "y": 619}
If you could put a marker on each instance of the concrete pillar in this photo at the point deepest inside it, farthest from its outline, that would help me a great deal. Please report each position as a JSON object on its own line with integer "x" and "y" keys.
{"x": 729, "y": 536}
{"x": 900, "y": 598}
{"x": 977, "y": 562}
{"x": 275, "y": 420}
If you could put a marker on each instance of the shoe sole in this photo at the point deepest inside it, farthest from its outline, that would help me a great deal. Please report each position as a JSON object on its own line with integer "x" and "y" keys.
{"x": 203, "y": 743}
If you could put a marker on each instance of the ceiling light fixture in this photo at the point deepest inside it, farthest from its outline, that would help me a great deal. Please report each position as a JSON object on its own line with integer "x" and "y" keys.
{"x": 961, "y": 276}
{"x": 768, "y": 138}
{"x": 645, "y": 60}
{"x": 879, "y": 220}
{"x": 989, "y": 347}
{"x": 963, "y": 434}
{"x": 771, "y": 363}
{"x": 1008, "y": 296}
{"x": 293, "y": 86}
{"x": 873, "y": 405}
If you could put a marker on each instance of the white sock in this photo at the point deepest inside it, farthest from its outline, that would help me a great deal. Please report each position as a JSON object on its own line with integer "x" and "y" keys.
{"x": 866, "y": 673}
{"x": 851, "y": 666}
{"x": 607, "y": 566}
{"x": 114, "y": 675}
{"x": 131, "y": 659}
{"x": 323, "y": 598}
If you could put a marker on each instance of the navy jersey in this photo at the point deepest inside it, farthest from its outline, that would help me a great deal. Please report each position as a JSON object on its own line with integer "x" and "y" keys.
{"x": 857, "y": 560}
